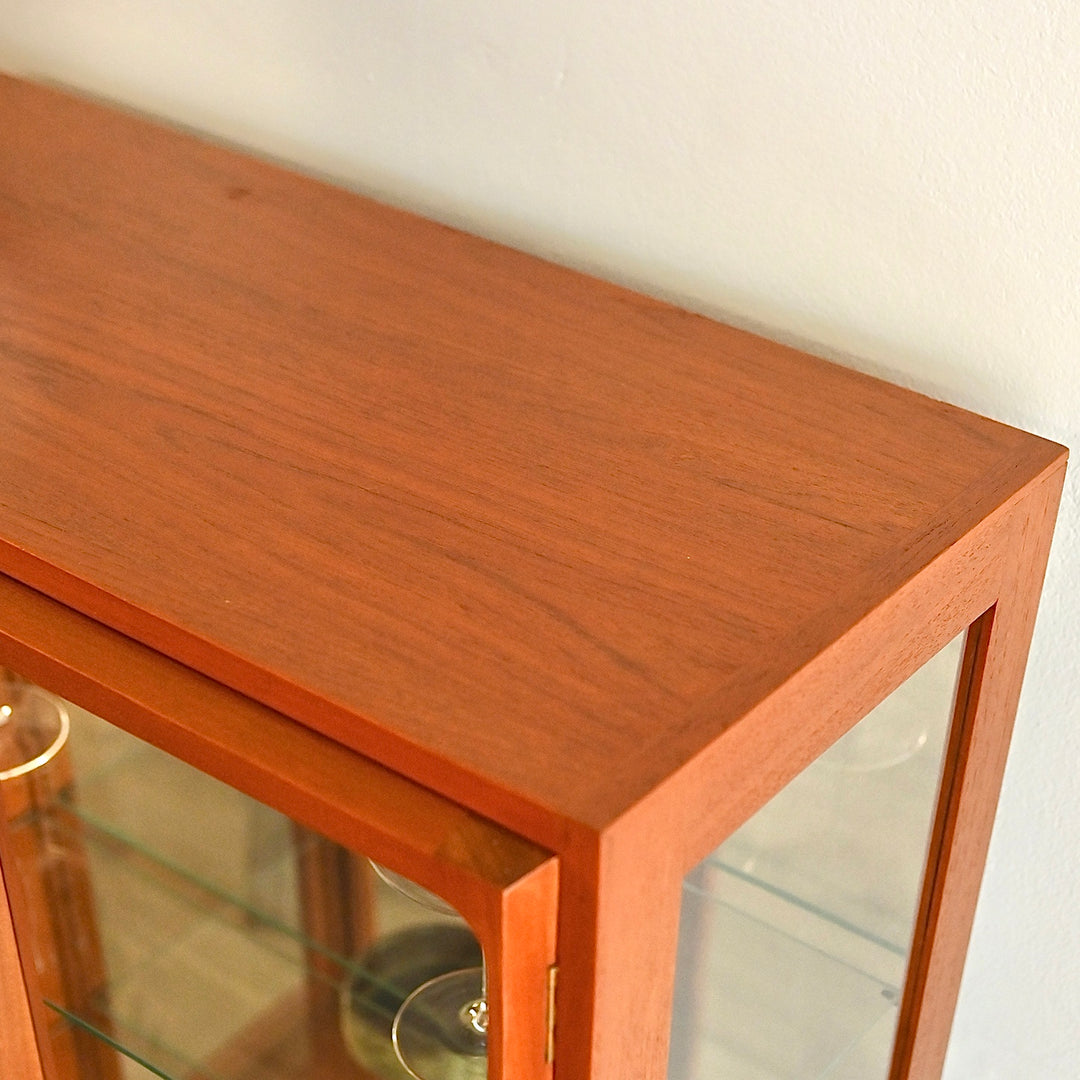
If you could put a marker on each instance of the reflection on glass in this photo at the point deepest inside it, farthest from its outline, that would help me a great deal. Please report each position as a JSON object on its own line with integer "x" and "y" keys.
{"x": 440, "y": 1030}
{"x": 795, "y": 932}
{"x": 181, "y": 929}
{"x": 34, "y": 729}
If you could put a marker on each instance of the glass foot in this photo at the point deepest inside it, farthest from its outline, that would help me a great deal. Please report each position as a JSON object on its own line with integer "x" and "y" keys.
{"x": 440, "y": 1031}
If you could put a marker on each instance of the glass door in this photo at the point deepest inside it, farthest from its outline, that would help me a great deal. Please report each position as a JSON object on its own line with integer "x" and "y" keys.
{"x": 795, "y": 933}
{"x": 178, "y": 927}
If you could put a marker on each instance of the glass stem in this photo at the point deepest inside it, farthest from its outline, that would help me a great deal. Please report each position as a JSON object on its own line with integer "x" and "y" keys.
{"x": 474, "y": 1014}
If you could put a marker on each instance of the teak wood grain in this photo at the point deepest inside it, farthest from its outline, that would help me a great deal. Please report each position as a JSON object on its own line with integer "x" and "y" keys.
{"x": 463, "y": 510}
{"x": 600, "y": 570}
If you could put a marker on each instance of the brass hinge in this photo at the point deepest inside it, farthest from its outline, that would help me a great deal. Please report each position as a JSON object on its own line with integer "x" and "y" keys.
{"x": 549, "y": 1045}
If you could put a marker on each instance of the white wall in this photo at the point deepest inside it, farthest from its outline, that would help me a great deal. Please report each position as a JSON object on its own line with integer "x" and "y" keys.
{"x": 894, "y": 184}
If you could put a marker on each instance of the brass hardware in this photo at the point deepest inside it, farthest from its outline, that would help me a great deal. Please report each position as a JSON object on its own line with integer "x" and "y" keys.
{"x": 549, "y": 1047}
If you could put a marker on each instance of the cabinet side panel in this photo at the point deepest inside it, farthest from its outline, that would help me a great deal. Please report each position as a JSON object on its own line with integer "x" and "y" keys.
{"x": 986, "y": 709}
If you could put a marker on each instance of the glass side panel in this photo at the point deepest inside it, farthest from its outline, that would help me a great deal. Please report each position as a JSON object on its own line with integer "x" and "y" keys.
{"x": 183, "y": 930}
{"x": 794, "y": 933}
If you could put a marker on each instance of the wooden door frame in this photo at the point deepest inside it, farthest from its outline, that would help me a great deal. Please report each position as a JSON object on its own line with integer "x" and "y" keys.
{"x": 504, "y": 886}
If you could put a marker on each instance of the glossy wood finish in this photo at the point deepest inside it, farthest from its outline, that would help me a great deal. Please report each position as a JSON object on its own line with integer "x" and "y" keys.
{"x": 601, "y": 570}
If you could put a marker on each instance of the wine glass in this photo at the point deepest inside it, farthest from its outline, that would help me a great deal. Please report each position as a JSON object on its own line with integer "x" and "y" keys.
{"x": 440, "y": 1030}
{"x": 382, "y": 978}
{"x": 417, "y": 893}
{"x": 34, "y": 727}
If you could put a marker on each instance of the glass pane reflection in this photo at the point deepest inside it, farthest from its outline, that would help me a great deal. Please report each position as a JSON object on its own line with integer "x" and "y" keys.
{"x": 795, "y": 932}
{"x": 183, "y": 929}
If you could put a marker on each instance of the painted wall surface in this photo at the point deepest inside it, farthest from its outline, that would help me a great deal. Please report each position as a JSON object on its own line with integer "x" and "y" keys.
{"x": 895, "y": 185}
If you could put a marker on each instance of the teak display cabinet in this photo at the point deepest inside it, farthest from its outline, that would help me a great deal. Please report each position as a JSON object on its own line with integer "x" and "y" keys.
{"x": 529, "y": 588}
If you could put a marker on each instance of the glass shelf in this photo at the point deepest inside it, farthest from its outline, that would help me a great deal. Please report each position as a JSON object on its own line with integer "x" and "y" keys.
{"x": 848, "y": 835}
{"x": 203, "y": 936}
{"x": 181, "y": 959}
{"x": 795, "y": 932}
{"x": 188, "y": 821}
{"x": 794, "y": 989}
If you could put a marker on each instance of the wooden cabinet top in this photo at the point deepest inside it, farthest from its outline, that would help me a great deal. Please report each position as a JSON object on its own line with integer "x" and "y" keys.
{"x": 525, "y": 536}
